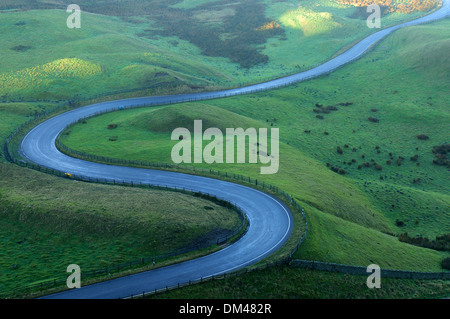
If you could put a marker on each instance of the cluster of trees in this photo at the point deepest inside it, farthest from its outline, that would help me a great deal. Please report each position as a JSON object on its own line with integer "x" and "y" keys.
{"x": 406, "y": 6}
{"x": 441, "y": 243}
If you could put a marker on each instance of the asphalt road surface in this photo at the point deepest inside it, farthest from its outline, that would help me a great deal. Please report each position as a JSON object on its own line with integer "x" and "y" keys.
{"x": 271, "y": 222}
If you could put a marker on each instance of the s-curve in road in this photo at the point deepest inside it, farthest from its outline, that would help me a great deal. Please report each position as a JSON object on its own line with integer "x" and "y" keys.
{"x": 270, "y": 220}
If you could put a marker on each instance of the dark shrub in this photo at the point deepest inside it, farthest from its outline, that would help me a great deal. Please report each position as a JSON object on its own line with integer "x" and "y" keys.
{"x": 339, "y": 150}
{"x": 332, "y": 108}
{"x": 414, "y": 158}
{"x": 446, "y": 263}
{"x": 159, "y": 74}
{"x": 440, "y": 243}
{"x": 112, "y": 126}
{"x": 320, "y": 117}
{"x": 373, "y": 119}
{"x": 422, "y": 137}
{"x": 21, "y": 48}
{"x": 440, "y": 152}
{"x": 399, "y": 223}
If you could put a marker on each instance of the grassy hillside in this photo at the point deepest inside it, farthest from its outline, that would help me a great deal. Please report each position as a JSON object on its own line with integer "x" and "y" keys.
{"x": 129, "y": 48}
{"x": 152, "y": 47}
{"x": 48, "y": 223}
{"x": 392, "y": 85}
{"x": 291, "y": 283}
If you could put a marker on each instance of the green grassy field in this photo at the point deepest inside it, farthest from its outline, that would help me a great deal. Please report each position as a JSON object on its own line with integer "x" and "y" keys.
{"x": 293, "y": 283}
{"x": 48, "y": 222}
{"x": 126, "y": 52}
{"x": 401, "y": 82}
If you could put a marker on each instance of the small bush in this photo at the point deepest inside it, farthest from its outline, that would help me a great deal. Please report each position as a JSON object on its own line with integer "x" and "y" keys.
{"x": 422, "y": 137}
{"x": 440, "y": 243}
{"x": 112, "y": 126}
{"x": 399, "y": 223}
{"x": 21, "y": 48}
{"x": 373, "y": 119}
{"x": 440, "y": 152}
{"x": 446, "y": 263}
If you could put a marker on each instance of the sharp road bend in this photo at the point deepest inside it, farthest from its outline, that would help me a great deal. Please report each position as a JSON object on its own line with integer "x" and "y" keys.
{"x": 271, "y": 222}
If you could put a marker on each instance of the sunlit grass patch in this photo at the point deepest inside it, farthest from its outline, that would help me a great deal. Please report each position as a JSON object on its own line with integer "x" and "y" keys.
{"x": 45, "y": 74}
{"x": 310, "y": 22}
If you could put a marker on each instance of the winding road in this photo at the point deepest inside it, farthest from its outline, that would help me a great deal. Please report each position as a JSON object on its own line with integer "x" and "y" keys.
{"x": 271, "y": 222}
